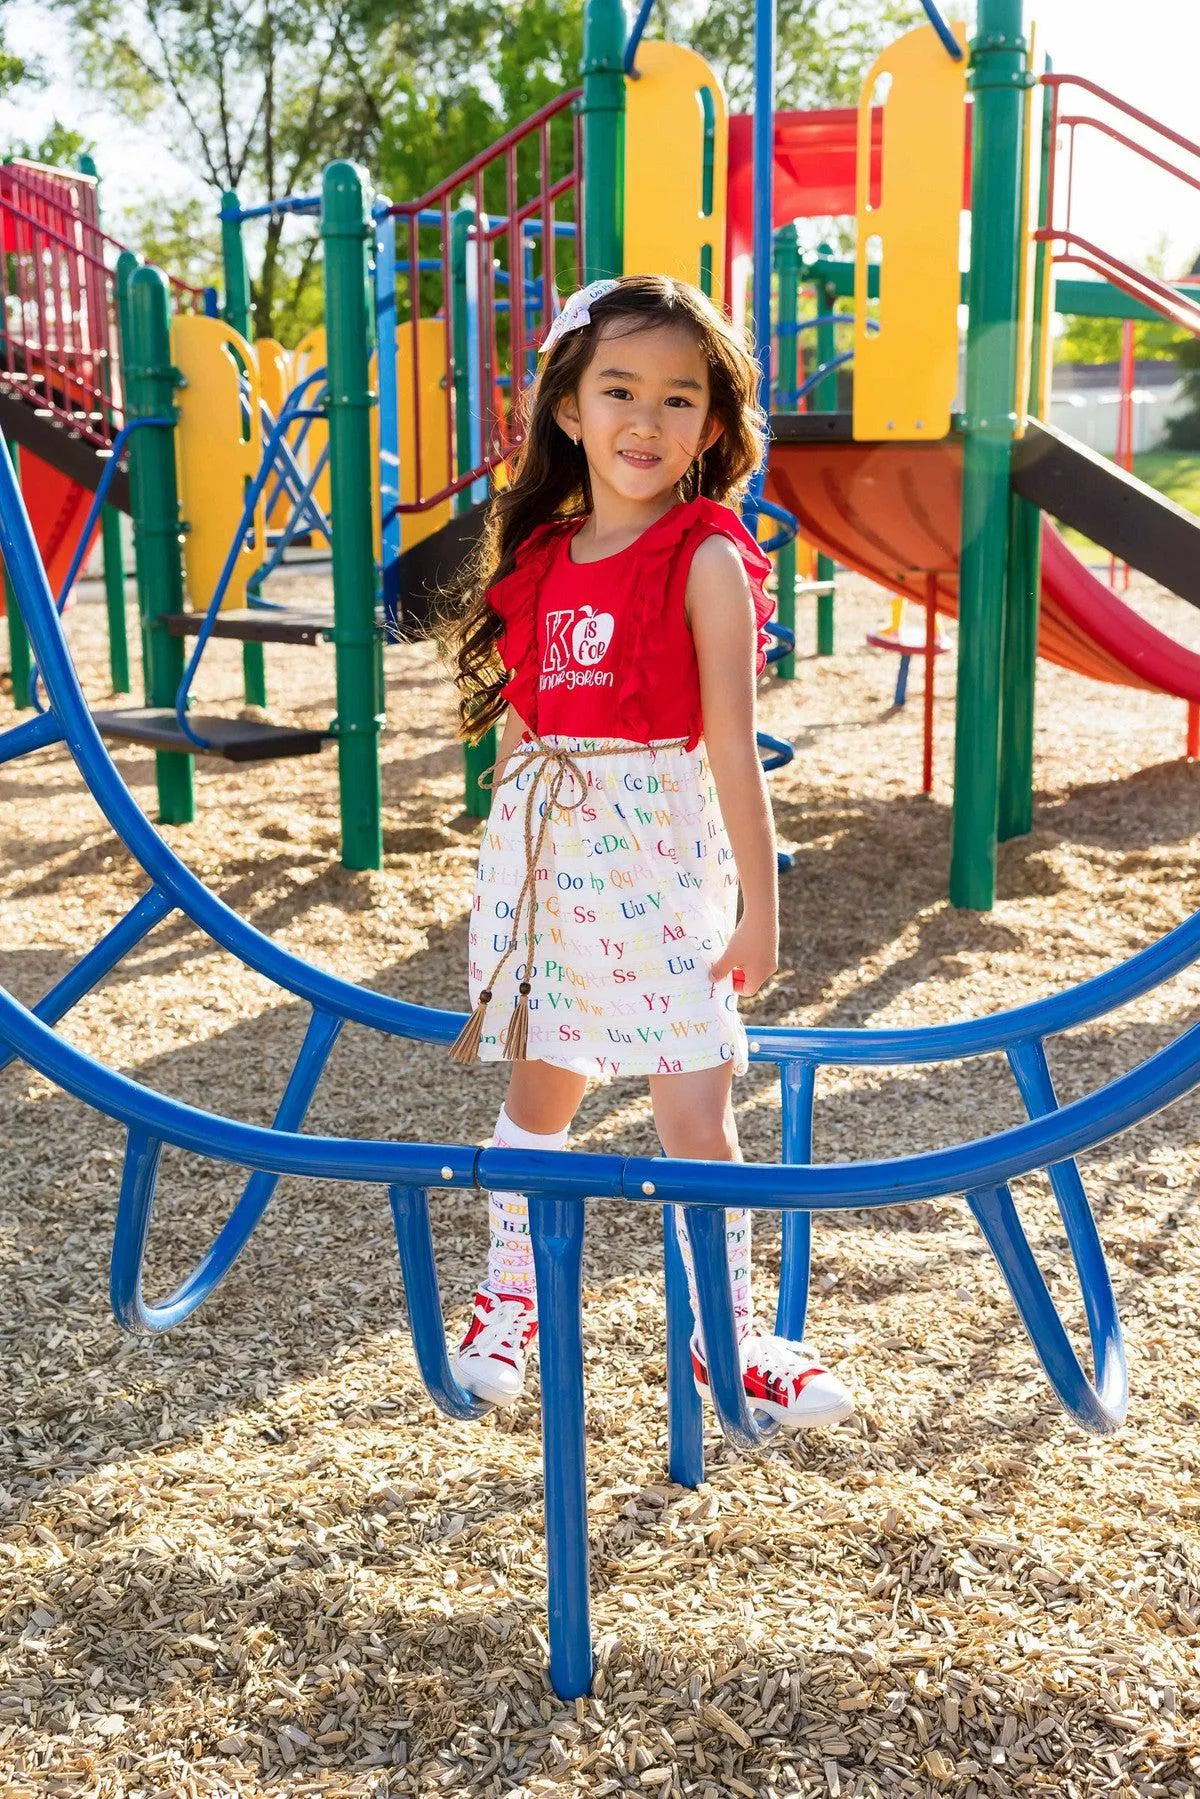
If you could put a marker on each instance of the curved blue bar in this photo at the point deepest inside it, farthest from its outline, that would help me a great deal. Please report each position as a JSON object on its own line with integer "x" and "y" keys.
{"x": 943, "y": 30}
{"x": 1100, "y": 1411}
{"x": 414, "y": 1239}
{"x": 33, "y": 734}
{"x": 635, "y": 35}
{"x": 981, "y": 1036}
{"x": 718, "y": 1329}
{"x": 324, "y": 991}
{"x": 136, "y": 1204}
{"x": 779, "y": 753}
{"x": 827, "y": 1186}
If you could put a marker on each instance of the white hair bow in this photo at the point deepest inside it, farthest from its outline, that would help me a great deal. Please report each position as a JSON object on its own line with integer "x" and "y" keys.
{"x": 576, "y": 312}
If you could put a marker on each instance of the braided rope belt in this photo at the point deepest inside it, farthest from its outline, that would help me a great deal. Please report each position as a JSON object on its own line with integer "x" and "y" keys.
{"x": 554, "y": 769}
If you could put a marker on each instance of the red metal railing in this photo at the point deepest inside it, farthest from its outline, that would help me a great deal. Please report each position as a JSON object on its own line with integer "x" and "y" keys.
{"x": 513, "y": 255}
{"x": 1074, "y": 248}
{"x": 58, "y": 335}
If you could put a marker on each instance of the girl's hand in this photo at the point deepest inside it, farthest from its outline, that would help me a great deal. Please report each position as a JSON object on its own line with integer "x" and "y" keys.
{"x": 753, "y": 948}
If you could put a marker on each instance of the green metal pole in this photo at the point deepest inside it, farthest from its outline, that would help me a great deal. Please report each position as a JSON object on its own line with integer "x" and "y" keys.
{"x": 127, "y": 262}
{"x": 602, "y": 109}
{"x": 787, "y": 289}
{"x": 236, "y": 310}
{"x": 997, "y": 78}
{"x": 481, "y": 755}
{"x": 346, "y": 234}
{"x": 150, "y": 383}
{"x": 19, "y": 660}
{"x": 110, "y": 538}
{"x": 824, "y": 399}
{"x": 1015, "y": 813}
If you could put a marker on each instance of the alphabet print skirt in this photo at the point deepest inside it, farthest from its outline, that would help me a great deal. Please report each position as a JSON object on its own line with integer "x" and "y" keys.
{"x": 636, "y": 894}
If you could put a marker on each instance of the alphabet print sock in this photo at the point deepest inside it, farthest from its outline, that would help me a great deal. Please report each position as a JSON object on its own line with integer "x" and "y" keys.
{"x": 737, "y": 1249}
{"x": 510, "y": 1251}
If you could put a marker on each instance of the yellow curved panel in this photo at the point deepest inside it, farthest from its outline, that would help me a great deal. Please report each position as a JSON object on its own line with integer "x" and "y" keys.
{"x": 906, "y": 376}
{"x": 217, "y": 454}
{"x": 435, "y": 440}
{"x": 310, "y": 355}
{"x": 275, "y": 381}
{"x": 668, "y": 230}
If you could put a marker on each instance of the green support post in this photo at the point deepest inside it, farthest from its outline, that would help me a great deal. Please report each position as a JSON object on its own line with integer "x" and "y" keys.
{"x": 110, "y": 535}
{"x": 824, "y": 399}
{"x": 150, "y": 383}
{"x": 236, "y": 310}
{"x": 19, "y": 659}
{"x": 997, "y": 78}
{"x": 237, "y": 314}
{"x": 787, "y": 289}
{"x": 346, "y": 235}
{"x": 1015, "y": 812}
{"x": 602, "y": 109}
{"x": 476, "y": 756}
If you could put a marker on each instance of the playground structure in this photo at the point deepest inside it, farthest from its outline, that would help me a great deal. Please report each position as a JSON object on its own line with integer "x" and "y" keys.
{"x": 560, "y": 1184}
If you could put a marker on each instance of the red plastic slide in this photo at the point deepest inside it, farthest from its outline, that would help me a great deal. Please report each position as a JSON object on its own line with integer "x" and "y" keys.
{"x": 57, "y": 508}
{"x": 892, "y": 511}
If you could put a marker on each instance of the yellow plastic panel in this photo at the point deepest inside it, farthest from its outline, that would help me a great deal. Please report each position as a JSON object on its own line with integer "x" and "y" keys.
{"x": 435, "y": 444}
{"x": 906, "y": 376}
{"x": 666, "y": 230}
{"x": 216, "y": 454}
{"x": 309, "y": 356}
{"x": 275, "y": 381}
{"x": 1032, "y": 383}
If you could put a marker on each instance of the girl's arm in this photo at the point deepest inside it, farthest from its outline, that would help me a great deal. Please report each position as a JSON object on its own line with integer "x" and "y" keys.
{"x": 721, "y": 614}
{"x": 510, "y": 737}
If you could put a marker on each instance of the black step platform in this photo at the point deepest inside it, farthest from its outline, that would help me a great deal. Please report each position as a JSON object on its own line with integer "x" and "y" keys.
{"x": 1131, "y": 521}
{"x": 257, "y": 624}
{"x": 234, "y": 739}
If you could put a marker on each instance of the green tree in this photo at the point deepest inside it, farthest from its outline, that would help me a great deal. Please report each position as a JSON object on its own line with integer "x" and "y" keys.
{"x": 259, "y": 96}
{"x": 825, "y": 47}
{"x": 59, "y": 145}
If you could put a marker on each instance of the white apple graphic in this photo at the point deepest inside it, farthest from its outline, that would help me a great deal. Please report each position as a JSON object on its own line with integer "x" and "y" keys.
{"x": 591, "y": 637}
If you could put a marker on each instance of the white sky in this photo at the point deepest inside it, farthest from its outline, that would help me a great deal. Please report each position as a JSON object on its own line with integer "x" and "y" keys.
{"x": 1147, "y": 51}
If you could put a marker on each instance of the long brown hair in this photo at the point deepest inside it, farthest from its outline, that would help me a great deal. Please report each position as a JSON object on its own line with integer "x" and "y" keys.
{"x": 549, "y": 474}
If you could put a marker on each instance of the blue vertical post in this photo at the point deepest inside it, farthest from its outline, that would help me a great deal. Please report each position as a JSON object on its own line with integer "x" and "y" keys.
{"x": 797, "y": 1081}
{"x": 556, "y": 1229}
{"x": 685, "y": 1417}
{"x": 764, "y": 195}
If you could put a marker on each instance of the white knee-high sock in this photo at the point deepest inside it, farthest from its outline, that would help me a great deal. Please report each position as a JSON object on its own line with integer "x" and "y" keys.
{"x": 737, "y": 1249}
{"x": 510, "y": 1252}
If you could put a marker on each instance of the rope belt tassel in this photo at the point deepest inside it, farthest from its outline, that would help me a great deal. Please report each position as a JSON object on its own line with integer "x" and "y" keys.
{"x": 552, "y": 767}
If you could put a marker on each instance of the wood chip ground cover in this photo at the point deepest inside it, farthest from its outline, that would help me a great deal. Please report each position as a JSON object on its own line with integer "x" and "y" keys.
{"x": 248, "y": 1559}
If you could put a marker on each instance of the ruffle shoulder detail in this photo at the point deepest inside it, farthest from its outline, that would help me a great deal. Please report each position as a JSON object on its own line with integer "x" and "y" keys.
{"x": 666, "y": 559}
{"x": 513, "y": 598}
{"x": 713, "y": 520}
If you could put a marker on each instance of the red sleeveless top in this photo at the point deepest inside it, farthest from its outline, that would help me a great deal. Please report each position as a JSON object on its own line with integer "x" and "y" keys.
{"x": 603, "y": 649}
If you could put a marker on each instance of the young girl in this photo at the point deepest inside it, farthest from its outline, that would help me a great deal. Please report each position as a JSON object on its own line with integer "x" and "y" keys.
{"x": 616, "y": 611}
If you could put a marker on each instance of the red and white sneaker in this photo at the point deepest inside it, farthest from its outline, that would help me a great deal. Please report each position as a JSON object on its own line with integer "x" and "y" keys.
{"x": 785, "y": 1380}
{"x": 491, "y": 1357}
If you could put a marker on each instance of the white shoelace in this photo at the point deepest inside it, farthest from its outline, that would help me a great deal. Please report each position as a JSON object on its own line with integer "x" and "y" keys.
{"x": 779, "y": 1359}
{"x": 503, "y": 1328}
